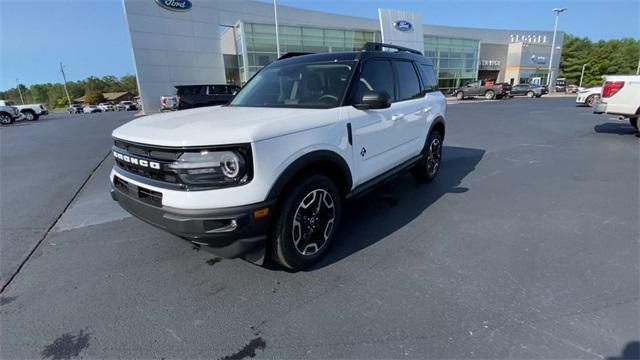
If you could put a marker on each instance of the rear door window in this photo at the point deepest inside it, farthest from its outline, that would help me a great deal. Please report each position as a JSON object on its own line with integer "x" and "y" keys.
{"x": 429, "y": 81}
{"x": 408, "y": 82}
{"x": 217, "y": 90}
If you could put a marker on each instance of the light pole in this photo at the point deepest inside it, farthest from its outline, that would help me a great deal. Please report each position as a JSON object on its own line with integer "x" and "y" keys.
{"x": 20, "y": 91}
{"x": 553, "y": 46}
{"x": 64, "y": 79}
{"x": 275, "y": 15}
{"x": 582, "y": 75}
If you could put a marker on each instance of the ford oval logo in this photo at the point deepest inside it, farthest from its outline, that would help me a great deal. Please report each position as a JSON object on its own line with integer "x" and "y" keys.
{"x": 403, "y": 25}
{"x": 175, "y": 5}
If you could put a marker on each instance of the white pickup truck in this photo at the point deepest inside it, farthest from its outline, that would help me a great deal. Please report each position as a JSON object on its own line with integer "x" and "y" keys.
{"x": 621, "y": 96}
{"x": 30, "y": 112}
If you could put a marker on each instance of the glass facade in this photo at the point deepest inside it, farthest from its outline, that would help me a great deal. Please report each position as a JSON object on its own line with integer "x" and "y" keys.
{"x": 256, "y": 43}
{"x": 455, "y": 60}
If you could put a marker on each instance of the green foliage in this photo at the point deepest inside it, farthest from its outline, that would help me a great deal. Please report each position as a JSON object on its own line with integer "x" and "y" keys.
{"x": 94, "y": 98}
{"x": 602, "y": 58}
{"x": 53, "y": 95}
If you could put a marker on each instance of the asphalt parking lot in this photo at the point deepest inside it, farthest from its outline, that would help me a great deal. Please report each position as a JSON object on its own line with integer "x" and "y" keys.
{"x": 525, "y": 246}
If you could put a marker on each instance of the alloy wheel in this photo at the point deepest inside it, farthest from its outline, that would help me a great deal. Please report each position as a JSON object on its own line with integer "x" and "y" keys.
{"x": 5, "y": 119}
{"x": 313, "y": 222}
{"x": 433, "y": 156}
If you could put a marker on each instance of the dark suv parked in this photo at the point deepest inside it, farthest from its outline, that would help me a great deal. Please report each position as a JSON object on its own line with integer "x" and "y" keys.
{"x": 193, "y": 96}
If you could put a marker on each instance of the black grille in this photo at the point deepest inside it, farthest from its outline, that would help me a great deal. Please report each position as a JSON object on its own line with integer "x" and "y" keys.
{"x": 158, "y": 155}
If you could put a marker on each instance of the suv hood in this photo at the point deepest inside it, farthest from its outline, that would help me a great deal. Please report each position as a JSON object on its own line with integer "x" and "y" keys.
{"x": 222, "y": 125}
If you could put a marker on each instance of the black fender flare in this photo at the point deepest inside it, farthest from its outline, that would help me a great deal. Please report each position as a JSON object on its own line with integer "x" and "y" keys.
{"x": 438, "y": 121}
{"x": 306, "y": 161}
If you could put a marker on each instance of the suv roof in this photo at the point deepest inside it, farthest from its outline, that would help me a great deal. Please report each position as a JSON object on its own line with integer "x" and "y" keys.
{"x": 369, "y": 50}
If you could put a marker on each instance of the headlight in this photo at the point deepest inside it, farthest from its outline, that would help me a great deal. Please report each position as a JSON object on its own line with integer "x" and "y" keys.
{"x": 212, "y": 168}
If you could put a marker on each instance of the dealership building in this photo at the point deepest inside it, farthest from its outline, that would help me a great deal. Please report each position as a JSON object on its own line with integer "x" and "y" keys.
{"x": 183, "y": 42}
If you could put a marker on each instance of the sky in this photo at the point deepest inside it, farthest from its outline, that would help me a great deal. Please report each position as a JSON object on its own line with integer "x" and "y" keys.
{"x": 90, "y": 36}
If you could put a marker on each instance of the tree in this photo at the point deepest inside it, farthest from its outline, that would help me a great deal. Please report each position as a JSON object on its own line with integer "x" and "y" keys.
{"x": 601, "y": 58}
{"x": 94, "y": 98}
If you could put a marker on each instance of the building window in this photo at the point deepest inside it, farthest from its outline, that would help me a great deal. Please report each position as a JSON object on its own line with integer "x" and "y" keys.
{"x": 455, "y": 60}
{"x": 260, "y": 41}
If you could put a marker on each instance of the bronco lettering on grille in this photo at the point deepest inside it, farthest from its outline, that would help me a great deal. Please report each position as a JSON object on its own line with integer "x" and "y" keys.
{"x": 136, "y": 161}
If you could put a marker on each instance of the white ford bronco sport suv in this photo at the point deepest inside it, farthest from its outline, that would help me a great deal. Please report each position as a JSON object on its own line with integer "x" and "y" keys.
{"x": 267, "y": 174}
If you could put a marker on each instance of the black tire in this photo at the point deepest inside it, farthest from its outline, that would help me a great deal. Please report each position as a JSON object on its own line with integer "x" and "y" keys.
{"x": 427, "y": 168}
{"x": 315, "y": 228}
{"x": 6, "y": 119}
{"x": 460, "y": 95}
{"x": 511, "y": 96}
{"x": 30, "y": 115}
{"x": 530, "y": 94}
{"x": 490, "y": 95}
{"x": 634, "y": 122}
{"x": 538, "y": 96}
{"x": 592, "y": 100}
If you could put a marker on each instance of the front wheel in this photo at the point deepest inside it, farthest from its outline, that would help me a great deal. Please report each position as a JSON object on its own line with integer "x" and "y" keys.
{"x": 530, "y": 94}
{"x": 308, "y": 222}
{"x": 427, "y": 168}
{"x": 460, "y": 95}
{"x": 6, "y": 119}
{"x": 30, "y": 115}
{"x": 592, "y": 100}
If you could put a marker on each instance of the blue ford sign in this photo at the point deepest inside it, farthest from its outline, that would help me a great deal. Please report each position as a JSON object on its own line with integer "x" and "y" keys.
{"x": 175, "y": 5}
{"x": 403, "y": 25}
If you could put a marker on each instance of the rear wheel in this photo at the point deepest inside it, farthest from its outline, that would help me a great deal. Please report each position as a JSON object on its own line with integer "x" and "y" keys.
{"x": 460, "y": 95}
{"x": 308, "y": 222}
{"x": 427, "y": 168}
{"x": 6, "y": 119}
{"x": 490, "y": 95}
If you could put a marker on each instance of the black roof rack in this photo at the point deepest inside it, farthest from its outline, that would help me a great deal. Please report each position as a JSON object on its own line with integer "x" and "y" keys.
{"x": 376, "y": 46}
{"x": 293, "y": 54}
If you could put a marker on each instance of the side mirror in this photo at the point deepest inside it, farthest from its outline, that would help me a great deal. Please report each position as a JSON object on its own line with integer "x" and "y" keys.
{"x": 374, "y": 100}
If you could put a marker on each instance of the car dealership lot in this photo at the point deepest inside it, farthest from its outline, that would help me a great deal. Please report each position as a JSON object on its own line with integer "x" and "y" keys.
{"x": 526, "y": 245}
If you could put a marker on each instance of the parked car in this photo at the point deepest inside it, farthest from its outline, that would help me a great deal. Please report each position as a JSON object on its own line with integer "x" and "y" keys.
{"x": 106, "y": 107}
{"x": 75, "y": 109}
{"x": 561, "y": 85}
{"x": 31, "y": 112}
{"x": 621, "y": 96}
{"x": 572, "y": 89}
{"x": 272, "y": 170}
{"x": 126, "y": 106}
{"x": 169, "y": 103}
{"x": 90, "y": 109}
{"x": 589, "y": 96}
{"x": 9, "y": 113}
{"x": 193, "y": 96}
{"x": 486, "y": 89}
{"x": 528, "y": 90}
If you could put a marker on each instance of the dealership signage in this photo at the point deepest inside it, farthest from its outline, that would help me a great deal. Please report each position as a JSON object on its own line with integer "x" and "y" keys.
{"x": 529, "y": 38}
{"x": 540, "y": 60}
{"x": 175, "y": 5}
{"x": 403, "y": 25}
{"x": 490, "y": 63}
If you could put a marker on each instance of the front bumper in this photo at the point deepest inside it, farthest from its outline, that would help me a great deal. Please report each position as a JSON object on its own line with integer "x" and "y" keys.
{"x": 600, "y": 108}
{"x": 227, "y": 232}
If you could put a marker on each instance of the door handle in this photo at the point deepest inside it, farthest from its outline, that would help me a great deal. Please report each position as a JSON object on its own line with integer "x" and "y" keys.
{"x": 395, "y": 117}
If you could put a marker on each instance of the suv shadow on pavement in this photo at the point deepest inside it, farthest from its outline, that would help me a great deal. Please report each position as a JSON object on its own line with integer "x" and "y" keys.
{"x": 615, "y": 128}
{"x": 388, "y": 208}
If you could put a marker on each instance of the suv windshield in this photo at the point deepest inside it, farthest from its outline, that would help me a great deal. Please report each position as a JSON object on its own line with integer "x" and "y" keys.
{"x": 318, "y": 85}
